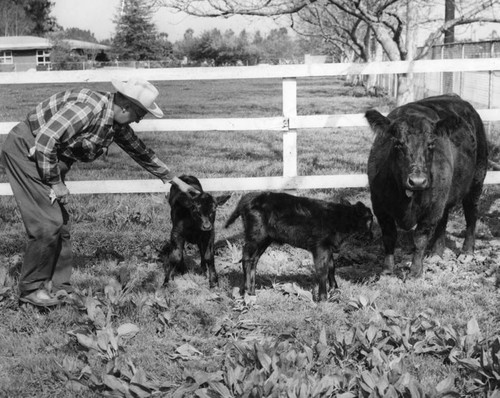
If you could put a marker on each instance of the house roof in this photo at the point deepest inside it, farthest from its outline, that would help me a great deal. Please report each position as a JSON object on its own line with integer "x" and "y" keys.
{"x": 39, "y": 43}
{"x": 24, "y": 43}
{"x": 85, "y": 45}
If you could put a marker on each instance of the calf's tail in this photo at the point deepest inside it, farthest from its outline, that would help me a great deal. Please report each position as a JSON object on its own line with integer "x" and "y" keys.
{"x": 244, "y": 202}
{"x": 234, "y": 215}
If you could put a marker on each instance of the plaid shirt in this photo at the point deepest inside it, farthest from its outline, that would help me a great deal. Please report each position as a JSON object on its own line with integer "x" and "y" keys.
{"x": 78, "y": 125}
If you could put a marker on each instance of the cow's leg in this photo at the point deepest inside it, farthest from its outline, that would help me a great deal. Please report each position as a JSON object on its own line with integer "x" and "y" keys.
{"x": 322, "y": 263}
{"x": 175, "y": 259}
{"x": 470, "y": 205}
{"x": 420, "y": 239}
{"x": 252, "y": 251}
{"x": 389, "y": 237}
{"x": 206, "y": 246}
{"x": 438, "y": 242}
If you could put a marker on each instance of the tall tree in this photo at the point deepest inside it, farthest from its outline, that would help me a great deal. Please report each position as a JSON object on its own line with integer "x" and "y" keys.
{"x": 77, "y": 34}
{"x": 39, "y": 13}
{"x": 26, "y": 17}
{"x": 137, "y": 37}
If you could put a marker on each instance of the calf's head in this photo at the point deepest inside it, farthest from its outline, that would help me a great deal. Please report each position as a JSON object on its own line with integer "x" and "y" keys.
{"x": 202, "y": 209}
{"x": 363, "y": 217}
{"x": 412, "y": 138}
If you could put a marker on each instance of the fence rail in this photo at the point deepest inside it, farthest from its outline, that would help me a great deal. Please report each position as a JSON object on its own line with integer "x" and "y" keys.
{"x": 289, "y": 123}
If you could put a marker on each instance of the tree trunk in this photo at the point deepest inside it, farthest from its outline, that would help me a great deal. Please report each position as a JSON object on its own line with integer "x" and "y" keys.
{"x": 449, "y": 37}
{"x": 376, "y": 55}
{"x": 406, "y": 82}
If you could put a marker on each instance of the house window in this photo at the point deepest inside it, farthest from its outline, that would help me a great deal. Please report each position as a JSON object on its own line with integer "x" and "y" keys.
{"x": 42, "y": 57}
{"x": 6, "y": 57}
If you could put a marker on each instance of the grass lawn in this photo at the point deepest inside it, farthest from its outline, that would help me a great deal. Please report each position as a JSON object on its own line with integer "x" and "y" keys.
{"x": 376, "y": 336}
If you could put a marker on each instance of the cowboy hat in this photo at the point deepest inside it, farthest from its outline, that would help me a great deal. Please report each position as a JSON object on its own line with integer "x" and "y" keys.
{"x": 140, "y": 92}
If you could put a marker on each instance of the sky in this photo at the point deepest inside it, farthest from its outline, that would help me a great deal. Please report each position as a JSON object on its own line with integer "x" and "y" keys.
{"x": 97, "y": 16}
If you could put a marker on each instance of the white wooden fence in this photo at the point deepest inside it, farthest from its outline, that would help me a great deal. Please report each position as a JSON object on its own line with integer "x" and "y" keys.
{"x": 289, "y": 123}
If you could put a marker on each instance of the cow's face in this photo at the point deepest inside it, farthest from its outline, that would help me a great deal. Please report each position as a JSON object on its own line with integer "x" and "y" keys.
{"x": 202, "y": 209}
{"x": 413, "y": 145}
{"x": 413, "y": 140}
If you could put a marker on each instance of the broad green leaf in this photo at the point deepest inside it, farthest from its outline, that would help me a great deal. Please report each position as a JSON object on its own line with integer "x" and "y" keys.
{"x": 346, "y": 395}
{"x": 324, "y": 387}
{"x": 322, "y": 337}
{"x": 371, "y": 333}
{"x": 113, "y": 341}
{"x": 140, "y": 378}
{"x": 446, "y": 384}
{"x": 470, "y": 363}
{"x": 220, "y": 388}
{"x": 115, "y": 383}
{"x": 264, "y": 359}
{"x": 363, "y": 301}
{"x": 95, "y": 312}
{"x": 473, "y": 327}
{"x": 76, "y": 386}
{"x": 70, "y": 364}
{"x": 391, "y": 392}
{"x": 415, "y": 390}
{"x": 139, "y": 391}
{"x": 187, "y": 350}
{"x": 87, "y": 341}
{"x": 102, "y": 339}
{"x": 3, "y": 275}
{"x": 127, "y": 330}
{"x": 368, "y": 379}
{"x": 112, "y": 290}
{"x": 202, "y": 393}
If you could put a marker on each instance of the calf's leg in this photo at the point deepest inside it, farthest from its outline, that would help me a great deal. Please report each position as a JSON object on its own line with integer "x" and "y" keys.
{"x": 206, "y": 246}
{"x": 322, "y": 263}
{"x": 252, "y": 251}
{"x": 175, "y": 260}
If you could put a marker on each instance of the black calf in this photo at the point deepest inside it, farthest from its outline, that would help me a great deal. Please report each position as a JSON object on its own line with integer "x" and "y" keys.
{"x": 192, "y": 221}
{"x": 311, "y": 224}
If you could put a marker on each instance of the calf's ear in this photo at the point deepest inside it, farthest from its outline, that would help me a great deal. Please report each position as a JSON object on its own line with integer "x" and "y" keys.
{"x": 378, "y": 122}
{"x": 220, "y": 200}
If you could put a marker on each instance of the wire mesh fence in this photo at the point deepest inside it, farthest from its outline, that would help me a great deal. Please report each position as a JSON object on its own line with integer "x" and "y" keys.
{"x": 481, "y": 89}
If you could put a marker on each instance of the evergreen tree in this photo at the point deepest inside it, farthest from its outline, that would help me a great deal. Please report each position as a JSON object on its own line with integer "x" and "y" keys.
{"x": 137, "y": 36}
{"x": 78, "y": 34}
{"x": 26, "y": 17}
{"x": 39, "y": 14}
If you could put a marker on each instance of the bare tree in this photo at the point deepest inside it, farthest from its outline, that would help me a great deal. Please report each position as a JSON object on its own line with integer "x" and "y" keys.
{"x": 357, "y": 27}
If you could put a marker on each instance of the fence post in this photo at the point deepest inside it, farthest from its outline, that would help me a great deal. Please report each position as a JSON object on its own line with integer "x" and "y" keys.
{"x": 289, "y": 136}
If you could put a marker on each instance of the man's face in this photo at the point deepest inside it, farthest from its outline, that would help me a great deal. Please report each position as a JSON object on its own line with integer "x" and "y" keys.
{"x": 128, "y": 114}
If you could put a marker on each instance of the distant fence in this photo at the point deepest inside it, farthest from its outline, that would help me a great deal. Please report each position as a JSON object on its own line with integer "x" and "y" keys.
{"x": 480, "y": 88}
{"x": 288, "y": 124}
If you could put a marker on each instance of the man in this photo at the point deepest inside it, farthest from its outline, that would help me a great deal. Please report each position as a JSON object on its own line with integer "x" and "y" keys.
{"x": 74, "y": 125}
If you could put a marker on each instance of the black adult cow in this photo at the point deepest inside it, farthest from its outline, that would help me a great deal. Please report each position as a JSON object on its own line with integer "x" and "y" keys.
{"x": 427, "y": 156}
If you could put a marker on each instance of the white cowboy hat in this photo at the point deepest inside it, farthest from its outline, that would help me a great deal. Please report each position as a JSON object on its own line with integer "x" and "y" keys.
{"x": 140, "y": 92}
